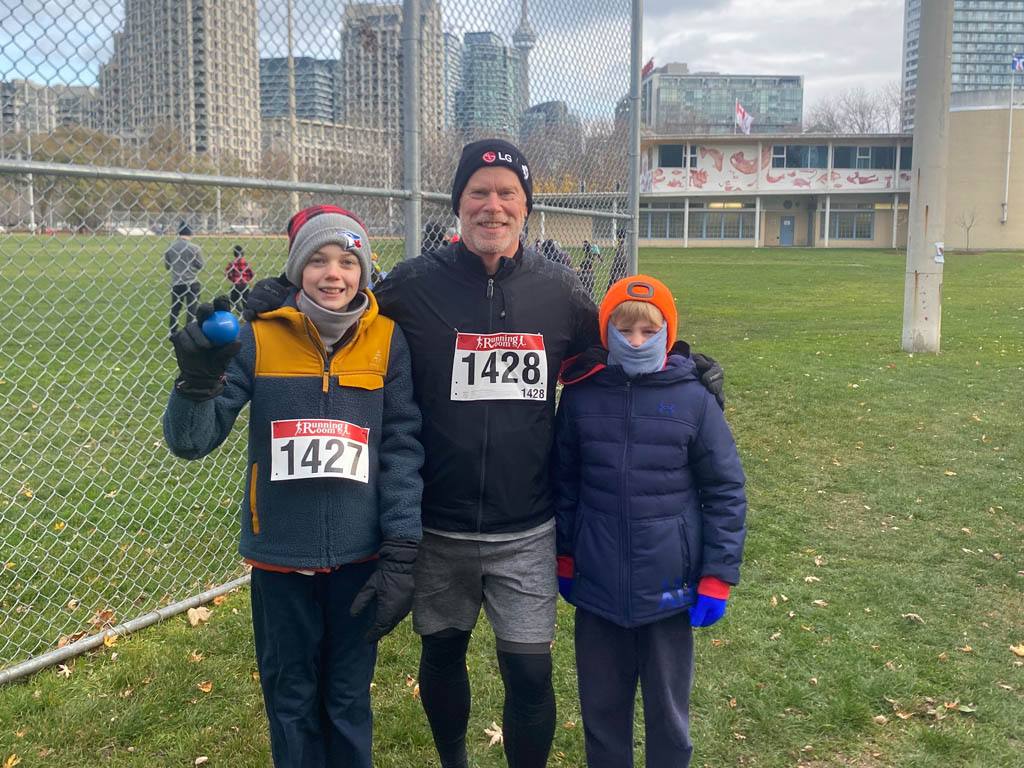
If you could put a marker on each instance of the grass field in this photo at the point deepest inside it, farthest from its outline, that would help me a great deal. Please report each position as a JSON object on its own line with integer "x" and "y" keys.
{"x": 878, "y": 623}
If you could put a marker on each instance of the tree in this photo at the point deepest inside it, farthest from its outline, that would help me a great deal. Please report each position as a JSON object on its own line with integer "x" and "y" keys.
{"x": 857, "y": 110}
{"x": 966, "y": 220}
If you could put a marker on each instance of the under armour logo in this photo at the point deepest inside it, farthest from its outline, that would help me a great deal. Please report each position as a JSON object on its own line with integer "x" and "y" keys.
{"x": 667, "y": 408}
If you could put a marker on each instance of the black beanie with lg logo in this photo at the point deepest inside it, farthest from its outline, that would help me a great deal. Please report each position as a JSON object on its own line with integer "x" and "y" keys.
{"x": 491, "y": 152}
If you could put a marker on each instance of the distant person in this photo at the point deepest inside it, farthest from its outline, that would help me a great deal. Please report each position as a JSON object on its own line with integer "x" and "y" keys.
{"x": 586, "y": 271}
{"x": 620, "y": 259}
{"x": 651, "y": 510}
{"x": 239, "y": 274}
{"x": 552, "y": 251}
{"x": 184, "y": 259}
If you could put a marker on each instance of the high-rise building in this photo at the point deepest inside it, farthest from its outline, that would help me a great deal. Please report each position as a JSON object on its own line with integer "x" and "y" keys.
{"x": 316, "y": 88}
{"x": 452, "y": 76}
{"x": 488, "y": 102}
{"x": 79, "y": 105}
{"x": 27, "y": 107}
{"x": 371, "y": 66}
{"x": 192, "y": 68}
{"x": 985, "y": 35}
{"x": 556, "y": 131}
{"x": 674, "y": 99}
{"x": 524, "y": 39}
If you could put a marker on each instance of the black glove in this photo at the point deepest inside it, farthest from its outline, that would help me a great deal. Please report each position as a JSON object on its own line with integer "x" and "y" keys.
{"x": 391, "y": 585}
{"x": 266, "y": 295}
{"x": 202, "y": 365}
{"x": 711, "y": 376}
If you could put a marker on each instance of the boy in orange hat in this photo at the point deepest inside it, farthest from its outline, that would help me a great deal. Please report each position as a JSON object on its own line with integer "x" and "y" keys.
{"x": 650, "y": 513}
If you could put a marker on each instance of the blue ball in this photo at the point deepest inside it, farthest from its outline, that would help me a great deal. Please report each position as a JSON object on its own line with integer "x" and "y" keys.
{"x": 220, "y": 328}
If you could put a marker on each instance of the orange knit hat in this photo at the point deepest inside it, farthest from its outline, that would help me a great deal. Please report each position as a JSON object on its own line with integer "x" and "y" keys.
{"x": 640, "y": 288}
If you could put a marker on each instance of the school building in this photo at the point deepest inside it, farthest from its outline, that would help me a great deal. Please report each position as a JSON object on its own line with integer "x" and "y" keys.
{"x": 832, "y": 190}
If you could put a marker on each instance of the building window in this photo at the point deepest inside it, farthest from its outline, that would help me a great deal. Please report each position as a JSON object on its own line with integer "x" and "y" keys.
{"x": 800, "y": 156}
{"x": 906, "y": 158}
{"x": 670, "y": 155}
{"x": 850, "y": 225}
{"x": 721, "y": 225}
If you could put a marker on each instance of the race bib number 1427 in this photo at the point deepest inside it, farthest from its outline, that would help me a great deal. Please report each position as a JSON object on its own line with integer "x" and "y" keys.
{"x": 325, "y": 448}
{"x": 499, "y": 366}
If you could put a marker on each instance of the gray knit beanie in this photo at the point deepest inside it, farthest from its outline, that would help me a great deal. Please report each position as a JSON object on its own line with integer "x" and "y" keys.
{"x": 311, "y": 229}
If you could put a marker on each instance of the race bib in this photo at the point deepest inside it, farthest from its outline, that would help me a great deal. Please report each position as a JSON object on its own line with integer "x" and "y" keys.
{"x": 499, "y": 366}
{"x": 304, "y": 448}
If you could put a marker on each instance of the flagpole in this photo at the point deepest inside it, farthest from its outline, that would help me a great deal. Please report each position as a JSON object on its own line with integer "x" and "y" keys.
{"x": 735, "y": 114}
{"x": 1009, "y": 140}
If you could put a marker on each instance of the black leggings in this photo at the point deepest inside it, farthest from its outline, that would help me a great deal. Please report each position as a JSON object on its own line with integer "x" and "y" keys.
{"x": 528, "y": 723}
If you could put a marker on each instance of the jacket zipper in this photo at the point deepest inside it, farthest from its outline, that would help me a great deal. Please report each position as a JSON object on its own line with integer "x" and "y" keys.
{"x": 487, "y": 414}
{"x": 624, "y": 521}
{"x": 318, "y": 343}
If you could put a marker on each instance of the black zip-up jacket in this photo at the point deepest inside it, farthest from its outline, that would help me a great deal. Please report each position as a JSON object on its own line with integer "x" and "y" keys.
{"x": 486, "y": 468}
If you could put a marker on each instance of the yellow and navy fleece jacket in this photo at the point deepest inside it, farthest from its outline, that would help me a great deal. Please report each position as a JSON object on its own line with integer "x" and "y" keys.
{"x": 285, "y": 373}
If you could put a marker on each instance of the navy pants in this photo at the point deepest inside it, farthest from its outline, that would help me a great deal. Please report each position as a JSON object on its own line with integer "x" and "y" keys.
{"x": 610, "y": 660}
{"x": 315, "y": 667}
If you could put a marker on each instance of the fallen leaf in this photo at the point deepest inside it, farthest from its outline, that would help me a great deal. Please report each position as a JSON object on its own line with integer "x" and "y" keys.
{"x": 570, "y": 724}
{"x": 219, "y": 599}
{"x": 951, "y": 474}
{"x": 1018, "y": 649}
{"x": 819, "y": 603}
{"x": 59, "y": 526}
{"x": 63, "y": 670}
{"x": 732, "y": 702}
{"x": 197, "y": 615}
{"x": 912, "y": 617}
{"x": 110, "y": 639}
{"x": 195, "y": 656}
{"x": 818, "y": 561}
{"x": 495, "y": 733}
{"x": 72, "y": 604}
{"x": 881, "y": 719}
{"x": 811, "y": 579}
{"x": 200, "y": 760}
{"x": 813, "y": 681}
{"x": 101, "y": 617}
{"x": 739, "y": 737}
{"x": 206, "y": 686}
{"x": 12, "y": 761}
{"x": 967, "y": 649}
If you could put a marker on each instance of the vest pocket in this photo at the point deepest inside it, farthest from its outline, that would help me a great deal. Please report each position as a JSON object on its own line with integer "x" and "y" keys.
{"x": 255, "y": 517}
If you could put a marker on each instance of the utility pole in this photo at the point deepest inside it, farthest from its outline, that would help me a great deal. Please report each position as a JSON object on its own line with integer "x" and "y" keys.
{"x": 922, "y": 295}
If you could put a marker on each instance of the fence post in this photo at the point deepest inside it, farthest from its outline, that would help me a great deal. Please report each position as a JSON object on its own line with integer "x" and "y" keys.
{"x": 411, "y": 123}
{"x": 633, "y": 203}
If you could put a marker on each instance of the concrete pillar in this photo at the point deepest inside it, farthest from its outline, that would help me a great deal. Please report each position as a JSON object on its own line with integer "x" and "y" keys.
{"x": 922, "y": 294}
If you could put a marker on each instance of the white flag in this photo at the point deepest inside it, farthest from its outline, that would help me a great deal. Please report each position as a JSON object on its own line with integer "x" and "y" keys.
{"x": 743, "y": 120}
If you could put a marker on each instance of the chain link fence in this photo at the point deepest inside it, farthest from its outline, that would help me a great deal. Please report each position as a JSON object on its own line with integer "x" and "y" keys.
{"x": 123, "y": 122}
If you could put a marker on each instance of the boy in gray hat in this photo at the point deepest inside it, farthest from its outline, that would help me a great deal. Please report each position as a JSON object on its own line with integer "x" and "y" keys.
{"x": 330, "y": 517}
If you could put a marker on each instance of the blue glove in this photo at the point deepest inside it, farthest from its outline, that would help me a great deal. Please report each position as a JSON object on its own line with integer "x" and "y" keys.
{"x": 707, "y": 611}
{"x": 565, "y": 569}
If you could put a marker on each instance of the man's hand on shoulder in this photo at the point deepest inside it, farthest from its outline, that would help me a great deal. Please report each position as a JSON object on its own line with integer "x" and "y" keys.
{"x": 267, "y": 295}
{"x": 711, "y": 376}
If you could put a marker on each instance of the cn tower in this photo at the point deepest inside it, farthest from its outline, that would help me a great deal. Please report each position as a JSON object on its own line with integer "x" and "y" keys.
{"x": 524, "y": 39}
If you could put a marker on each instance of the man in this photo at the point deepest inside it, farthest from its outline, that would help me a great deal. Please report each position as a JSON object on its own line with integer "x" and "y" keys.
{"x": 184, "y": 260}
{"x": 488, "y": 327}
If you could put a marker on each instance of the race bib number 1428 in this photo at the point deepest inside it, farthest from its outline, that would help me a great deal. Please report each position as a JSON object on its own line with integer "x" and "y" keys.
{"x": 499, "y": 366}
{"x": 325, "y": 448}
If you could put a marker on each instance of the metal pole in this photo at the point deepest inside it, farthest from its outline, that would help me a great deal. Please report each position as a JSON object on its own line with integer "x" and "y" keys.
{"x": 1009, "y": 140}
{"x": 922, "y": 295}
{"x": 293, "y": 128}
{"x": 633, "y": 187}
{"x": 411, "y": 123}
{"x": 95, "y": 641}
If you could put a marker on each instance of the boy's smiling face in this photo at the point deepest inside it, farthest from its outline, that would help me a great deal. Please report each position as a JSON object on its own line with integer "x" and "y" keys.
{"x": 331, "y": 277}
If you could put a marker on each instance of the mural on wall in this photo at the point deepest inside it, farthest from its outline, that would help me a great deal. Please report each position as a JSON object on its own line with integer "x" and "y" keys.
{"x": 731, "y": 167}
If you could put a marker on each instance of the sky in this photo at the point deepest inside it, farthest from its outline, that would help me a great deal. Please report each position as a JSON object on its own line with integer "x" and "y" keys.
{"x": 578, "y": 58}
{"x": 834, "y": 45}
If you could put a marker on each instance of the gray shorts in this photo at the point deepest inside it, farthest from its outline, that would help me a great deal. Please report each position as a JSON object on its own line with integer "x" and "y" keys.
{"x": 515, "y": 581}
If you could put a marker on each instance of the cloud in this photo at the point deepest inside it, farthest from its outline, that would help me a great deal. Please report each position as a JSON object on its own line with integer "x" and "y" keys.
{"x": 784, "y": 37}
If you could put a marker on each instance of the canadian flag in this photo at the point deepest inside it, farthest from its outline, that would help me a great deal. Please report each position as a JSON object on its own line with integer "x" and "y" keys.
{"x": 743, "y": 120}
